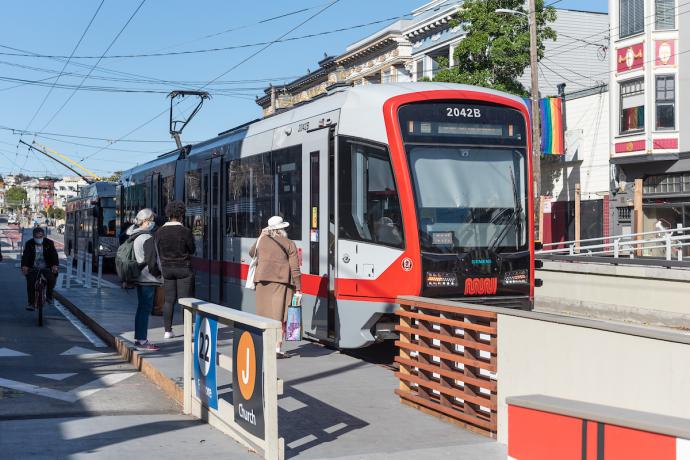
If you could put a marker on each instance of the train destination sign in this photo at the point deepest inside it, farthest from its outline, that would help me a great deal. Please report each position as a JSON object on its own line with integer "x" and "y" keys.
{"x": 205, "y": 375}
{"x": 247, "y": 379}
{"x": 456, "y": 121}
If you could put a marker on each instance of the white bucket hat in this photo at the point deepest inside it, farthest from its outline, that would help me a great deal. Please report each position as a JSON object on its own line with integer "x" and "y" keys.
{"x": 276, "y": 223}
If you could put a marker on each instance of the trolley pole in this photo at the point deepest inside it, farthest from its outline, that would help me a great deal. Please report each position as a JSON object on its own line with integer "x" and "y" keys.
{"x": 536, "y": 118}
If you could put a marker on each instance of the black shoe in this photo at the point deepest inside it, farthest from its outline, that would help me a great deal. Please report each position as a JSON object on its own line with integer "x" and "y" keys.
{"x": 156, "y": 313}
{"x": 30, "y": 307}
{"x": 282, "y": 355}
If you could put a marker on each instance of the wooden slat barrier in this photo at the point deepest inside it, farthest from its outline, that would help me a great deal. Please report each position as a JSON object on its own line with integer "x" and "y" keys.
{"x": 447, "y": 359}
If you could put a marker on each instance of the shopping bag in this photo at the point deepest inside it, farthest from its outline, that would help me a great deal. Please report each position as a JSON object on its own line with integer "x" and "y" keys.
{"x": 250, "y": 275}
{"x": 293, "y": 325}
{"x": 250, "y": 284}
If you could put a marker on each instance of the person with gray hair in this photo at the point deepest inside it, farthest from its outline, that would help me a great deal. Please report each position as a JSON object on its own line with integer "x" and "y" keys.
{"x": 140, "y": 233}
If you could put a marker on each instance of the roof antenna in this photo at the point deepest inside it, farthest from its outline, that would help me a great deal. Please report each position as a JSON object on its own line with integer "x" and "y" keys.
{"x": 176, "y": 126}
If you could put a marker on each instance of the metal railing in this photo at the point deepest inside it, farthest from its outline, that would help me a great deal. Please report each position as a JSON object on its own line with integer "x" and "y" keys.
{"x": 250, "y": 416}
{"x": 448, "y": 359}
{"x": 668, "y": 244}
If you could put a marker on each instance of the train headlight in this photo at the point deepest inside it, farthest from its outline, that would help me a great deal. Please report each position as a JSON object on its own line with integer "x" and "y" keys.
{"x": 101, "y": 248}
{"x": 441, "y": 279}
{"x": 516, "y": 277}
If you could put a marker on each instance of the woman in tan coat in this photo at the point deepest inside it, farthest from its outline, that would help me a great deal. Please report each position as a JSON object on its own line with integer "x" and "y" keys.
{"x": 277, "y": 274}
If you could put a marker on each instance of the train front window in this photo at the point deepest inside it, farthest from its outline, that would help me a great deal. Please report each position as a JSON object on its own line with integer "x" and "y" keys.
{"x": 469, "y": 197}
{"x": 469, "y": 175}
{"x": 107, "y": 219}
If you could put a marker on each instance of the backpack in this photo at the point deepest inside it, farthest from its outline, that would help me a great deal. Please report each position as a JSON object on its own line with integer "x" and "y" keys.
{"x": 126, "y": 265}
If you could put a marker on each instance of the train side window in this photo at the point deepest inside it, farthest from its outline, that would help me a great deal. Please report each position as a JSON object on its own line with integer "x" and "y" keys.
{"x": 249, "y": 196}
{"x": 167, "y": 191}
{"x": 193, "y": 187}
{"x": 368, "y": 203}
{"x": 287, "y": 167}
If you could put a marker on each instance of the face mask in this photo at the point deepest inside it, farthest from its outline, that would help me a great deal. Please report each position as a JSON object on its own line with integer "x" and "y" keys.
{"x": 38, "y": 240}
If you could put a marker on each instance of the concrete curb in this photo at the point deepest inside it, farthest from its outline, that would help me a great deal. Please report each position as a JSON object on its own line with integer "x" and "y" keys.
{"x": 127, "y": 351}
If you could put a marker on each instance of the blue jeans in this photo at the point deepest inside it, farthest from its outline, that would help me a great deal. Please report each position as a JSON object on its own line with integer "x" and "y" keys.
{"x": 145, "y": 296}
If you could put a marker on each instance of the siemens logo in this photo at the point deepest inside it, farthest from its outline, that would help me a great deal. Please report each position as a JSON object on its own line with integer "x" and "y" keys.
{"x": 481, "y": 261}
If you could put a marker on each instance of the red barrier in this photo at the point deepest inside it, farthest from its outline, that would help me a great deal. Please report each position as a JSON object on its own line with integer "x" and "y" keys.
{"x": 541, "y": 435}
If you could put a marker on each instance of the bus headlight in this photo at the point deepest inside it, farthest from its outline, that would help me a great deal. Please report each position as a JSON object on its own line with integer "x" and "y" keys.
{"x": 516, "y": 277}
{"x": 441, "y": 279}
{"x": 101, "y": 248}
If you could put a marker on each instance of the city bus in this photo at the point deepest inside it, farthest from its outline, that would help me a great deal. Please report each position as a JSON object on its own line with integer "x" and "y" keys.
{"x": 419, "y": 189}
{"x": 90, "y": 222}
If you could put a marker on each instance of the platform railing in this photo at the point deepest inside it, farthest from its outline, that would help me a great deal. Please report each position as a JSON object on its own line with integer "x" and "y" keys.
{"x": 250, "y": 415}
{"x": 447, "y": 357}
{"x": 666, "y": 243}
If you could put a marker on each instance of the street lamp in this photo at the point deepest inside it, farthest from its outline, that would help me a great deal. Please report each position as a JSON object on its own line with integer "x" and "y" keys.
{"x": 536, "y": 128}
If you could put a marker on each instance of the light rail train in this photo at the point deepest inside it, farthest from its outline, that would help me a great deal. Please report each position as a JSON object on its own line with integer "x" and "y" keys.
{"x": 394, "y": 189}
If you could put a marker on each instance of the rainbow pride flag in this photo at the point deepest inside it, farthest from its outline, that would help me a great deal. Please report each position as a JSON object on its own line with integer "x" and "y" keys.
{"x": 551, "y": 118}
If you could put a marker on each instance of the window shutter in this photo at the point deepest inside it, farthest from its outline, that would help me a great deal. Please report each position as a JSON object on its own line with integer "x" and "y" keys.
{"x": 665, "y": 14}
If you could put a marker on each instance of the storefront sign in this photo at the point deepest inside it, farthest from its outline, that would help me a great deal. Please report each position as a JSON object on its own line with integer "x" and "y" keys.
{"x": 663, "y": 144}
{"x": 665, "y": 53}
{"x": 247, "y": 379}
{"x": 631, "y": 146}
{"x": 205, "y": 381}
{"x": 630, "y": 58}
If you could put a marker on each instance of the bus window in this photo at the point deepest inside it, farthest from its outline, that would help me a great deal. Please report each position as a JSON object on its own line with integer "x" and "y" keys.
{"x": 106, "y": 222}
{"x": 368, "y": 203}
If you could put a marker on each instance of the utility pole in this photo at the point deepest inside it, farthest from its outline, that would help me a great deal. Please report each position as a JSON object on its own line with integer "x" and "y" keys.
{"x": 536, "y": 116}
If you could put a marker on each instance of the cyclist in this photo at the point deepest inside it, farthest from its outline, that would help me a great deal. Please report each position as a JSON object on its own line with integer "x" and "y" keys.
{"x": 39, "y": 256}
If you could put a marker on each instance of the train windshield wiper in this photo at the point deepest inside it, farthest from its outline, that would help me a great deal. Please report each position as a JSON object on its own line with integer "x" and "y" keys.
{"x": 514, "y": 219}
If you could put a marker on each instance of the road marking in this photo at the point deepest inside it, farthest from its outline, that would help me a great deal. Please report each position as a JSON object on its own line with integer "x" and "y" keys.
{"x": 81, "y": 327}
{"x": 72, "y": 396}
{"x": 7, "y": 353}
{"x": 57, "y": 377}
{"x": 79, "y": 351}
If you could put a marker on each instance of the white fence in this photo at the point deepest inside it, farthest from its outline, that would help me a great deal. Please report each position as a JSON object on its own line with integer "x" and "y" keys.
{"x": 665, "y": 243}
{"x": 251, "y": 415}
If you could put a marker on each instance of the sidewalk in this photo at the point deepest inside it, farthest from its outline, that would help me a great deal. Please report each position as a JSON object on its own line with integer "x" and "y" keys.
{"x": 333, "y": 405}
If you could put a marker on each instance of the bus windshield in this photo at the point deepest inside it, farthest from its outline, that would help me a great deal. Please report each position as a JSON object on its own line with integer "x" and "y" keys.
{"x": 107, "y": 219}
{"x": 469, "y": 176}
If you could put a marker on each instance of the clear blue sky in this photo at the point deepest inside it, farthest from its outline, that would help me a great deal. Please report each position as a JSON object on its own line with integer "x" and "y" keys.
{"x": 54, "y": 27}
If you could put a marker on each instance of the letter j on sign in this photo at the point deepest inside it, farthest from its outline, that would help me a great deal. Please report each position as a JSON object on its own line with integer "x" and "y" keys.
{"x": 247, "y": 379}
{"x": 205, "y": 381}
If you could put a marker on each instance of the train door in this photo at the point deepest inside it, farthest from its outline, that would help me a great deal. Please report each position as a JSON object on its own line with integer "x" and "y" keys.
{"x": 318, "y": 311}
{"x": 212, "y": 177}
{"x": 156, "y": 195}
{"x": 215, "y": 231}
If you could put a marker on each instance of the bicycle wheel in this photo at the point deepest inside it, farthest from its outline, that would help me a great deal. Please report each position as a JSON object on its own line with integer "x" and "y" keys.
{"x": 40, "y": 301}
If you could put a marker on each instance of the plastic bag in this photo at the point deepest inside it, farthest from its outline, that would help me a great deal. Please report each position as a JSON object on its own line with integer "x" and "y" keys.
{"x": 293, "y": 325}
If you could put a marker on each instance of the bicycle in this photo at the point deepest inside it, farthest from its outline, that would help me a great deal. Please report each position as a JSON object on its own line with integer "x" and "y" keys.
{"x": 40, "y": 292}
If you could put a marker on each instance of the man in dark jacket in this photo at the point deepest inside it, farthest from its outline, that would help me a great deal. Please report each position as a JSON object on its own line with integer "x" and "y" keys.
{"x": 39, "y": 256}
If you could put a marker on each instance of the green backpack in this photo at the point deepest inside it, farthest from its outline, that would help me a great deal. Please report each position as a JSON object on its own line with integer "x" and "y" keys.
{"x": 126, "y": 265}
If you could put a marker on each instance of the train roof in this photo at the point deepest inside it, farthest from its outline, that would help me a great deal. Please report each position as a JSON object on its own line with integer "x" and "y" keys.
{"x": 101, "y": 189}
{"x": 361, "y": 108}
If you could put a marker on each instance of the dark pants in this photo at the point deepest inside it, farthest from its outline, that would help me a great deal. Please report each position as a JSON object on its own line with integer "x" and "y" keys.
{"x": 177, "y": 283}
{"x": 31, "y": 282}
{"x": 144, "y": 305}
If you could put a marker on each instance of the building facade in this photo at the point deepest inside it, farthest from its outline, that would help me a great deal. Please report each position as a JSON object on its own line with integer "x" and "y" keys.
{"x": 416, "y": 49}
{"x": 67, "y": 188}
{"x": 649, "y": 74}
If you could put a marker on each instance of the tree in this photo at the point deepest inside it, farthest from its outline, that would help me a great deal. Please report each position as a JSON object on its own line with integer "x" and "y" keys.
{"x": 55, "y": 213}
{"x": 115, "y": 177}
{"x": 15, "y": 197}
{"x": 495, "y": 51}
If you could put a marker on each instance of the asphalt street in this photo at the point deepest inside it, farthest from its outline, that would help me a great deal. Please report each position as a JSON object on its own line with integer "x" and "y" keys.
{"x": 64, "y": 393}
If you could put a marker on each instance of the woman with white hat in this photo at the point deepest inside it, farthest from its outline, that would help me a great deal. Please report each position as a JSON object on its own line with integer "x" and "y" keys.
{"x": 277, "y": 274}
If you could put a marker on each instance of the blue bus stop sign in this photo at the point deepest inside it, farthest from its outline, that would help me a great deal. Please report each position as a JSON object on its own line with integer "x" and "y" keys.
{"x": 205, "y": 382}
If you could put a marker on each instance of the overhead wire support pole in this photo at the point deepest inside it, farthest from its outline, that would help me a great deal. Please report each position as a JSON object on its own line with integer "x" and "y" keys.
{"x": 536, "y": 116}
{"x": 69, "y": 160}
{"x": 32, "y": 147}
{"x": 174, "y": 130}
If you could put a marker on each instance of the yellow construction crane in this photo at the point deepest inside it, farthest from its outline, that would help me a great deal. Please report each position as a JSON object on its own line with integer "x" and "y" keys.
{"x": 94, "y": 176}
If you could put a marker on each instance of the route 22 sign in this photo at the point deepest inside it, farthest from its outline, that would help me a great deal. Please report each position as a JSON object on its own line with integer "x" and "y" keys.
{"x": 205, "y": 375}
{"x": 247, "y": 379}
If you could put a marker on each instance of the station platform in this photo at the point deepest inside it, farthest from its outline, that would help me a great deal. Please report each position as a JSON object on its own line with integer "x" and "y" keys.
{"x": 333, "y": 406}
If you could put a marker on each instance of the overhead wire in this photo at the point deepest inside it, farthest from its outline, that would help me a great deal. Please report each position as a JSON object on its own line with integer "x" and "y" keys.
{"x": 235, "y": 66}
{"x": 134, "y": 13}
{"x": 64, "y": 67}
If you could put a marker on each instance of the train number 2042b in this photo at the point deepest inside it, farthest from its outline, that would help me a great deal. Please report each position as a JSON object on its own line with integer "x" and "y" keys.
{"x": 463, "y": 112}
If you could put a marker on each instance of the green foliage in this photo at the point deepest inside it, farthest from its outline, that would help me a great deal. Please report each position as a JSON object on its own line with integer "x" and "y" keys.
{"x": 15, "y": 197}
{"x": 115, "y": 177}
{"x": 55, "y": 213}
{"x": 495, "y": 52}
